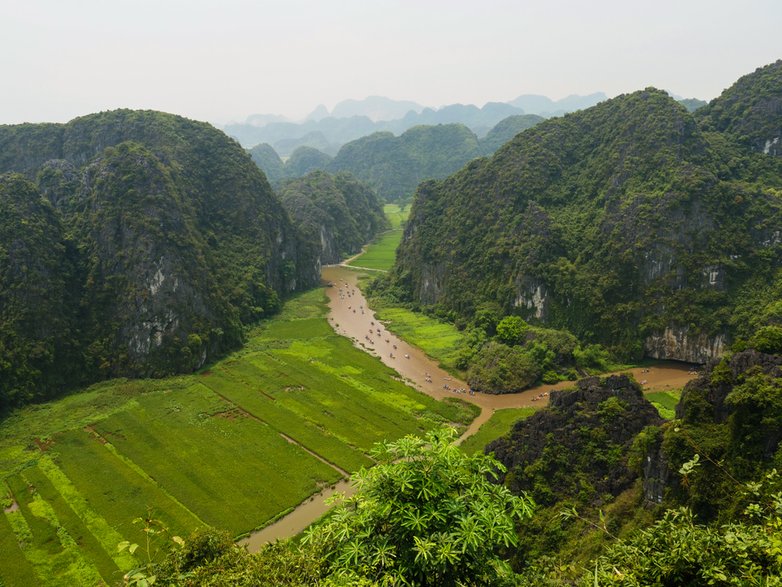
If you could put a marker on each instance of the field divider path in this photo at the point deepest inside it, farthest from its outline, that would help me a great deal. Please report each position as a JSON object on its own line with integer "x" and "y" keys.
{"x": 340, "y": 470}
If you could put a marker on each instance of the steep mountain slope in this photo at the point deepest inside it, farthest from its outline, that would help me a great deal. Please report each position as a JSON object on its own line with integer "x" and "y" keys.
{"x": 304, "y": 160}
{"x": 506, "y": 129}
{"x": 337, "y": 213}
{"x": 395, "y": 165}
{"x": 179, "y": 239}
{"x": 624, "y": 223}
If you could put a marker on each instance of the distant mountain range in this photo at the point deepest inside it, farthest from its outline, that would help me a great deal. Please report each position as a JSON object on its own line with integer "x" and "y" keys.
{"x": 353, "y": 119}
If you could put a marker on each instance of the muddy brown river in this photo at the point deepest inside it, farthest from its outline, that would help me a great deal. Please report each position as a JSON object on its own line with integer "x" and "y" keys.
{"x": 350, "y": 316}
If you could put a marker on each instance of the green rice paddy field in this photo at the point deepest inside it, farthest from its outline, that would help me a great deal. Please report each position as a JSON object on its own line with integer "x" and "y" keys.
{"x": 382, "y": 253}
{"x": 189, "y": 451}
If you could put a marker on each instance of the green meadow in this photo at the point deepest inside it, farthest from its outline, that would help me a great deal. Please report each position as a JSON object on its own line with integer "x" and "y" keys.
{"x": 382, "y": 253}
{"x": 234, "y": 446}
{"x": 500, "y": 423}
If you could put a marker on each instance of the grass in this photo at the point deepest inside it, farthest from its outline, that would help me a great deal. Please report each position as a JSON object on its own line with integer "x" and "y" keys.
{"x": 499, "y": 424}
{"x": 381, "y": 254}
{"x": 665, "y": 402}
{"x": 440, "y": 340}
{"x": 203, "y": 449}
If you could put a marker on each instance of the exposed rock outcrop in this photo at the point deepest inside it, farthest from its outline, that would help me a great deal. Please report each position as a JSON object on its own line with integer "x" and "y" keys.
{"x": 730, "y": 417}
{"x": 579, "y": 443}
{"x": 678, "y": 344}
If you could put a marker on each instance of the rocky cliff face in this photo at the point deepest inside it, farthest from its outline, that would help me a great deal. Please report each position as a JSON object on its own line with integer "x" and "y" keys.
{"x": 677, "y": 343}
{"x": 179, "y": 240}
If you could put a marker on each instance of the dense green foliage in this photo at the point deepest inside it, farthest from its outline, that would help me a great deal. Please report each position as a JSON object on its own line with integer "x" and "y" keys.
{"x": 336, "y": 213}
{"x": 678, "y": 551}
{"x": 304, "y": 160}
{"x": 162, "y": 242}
{"x": 496, "y": 355}
{"x": 498, "y": 368}
{"x": 38, "y": 350}
{"x": 751, "y": 110}
{"x": 506, "y": 129}
{"x": 692, "y": 104}
{"x": 732, "y": 418}
{"x": 426, "y": 514}
{"x": 709, "y": 478}
{"x": 615, "y": 223}
{"x": 395, "y": 165}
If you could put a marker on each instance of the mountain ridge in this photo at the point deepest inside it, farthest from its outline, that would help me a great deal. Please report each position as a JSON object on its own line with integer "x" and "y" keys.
{"x": 620, "y": 223}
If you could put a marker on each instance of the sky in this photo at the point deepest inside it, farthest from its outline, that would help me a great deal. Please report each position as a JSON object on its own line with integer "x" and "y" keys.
{"x": 221, "y": 61}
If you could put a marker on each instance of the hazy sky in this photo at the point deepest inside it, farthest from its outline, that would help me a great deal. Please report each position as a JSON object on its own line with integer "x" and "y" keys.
{"x": 223, "y": 60}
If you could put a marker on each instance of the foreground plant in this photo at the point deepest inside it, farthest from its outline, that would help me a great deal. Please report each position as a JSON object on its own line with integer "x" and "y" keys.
{"x": 426, "y": 514}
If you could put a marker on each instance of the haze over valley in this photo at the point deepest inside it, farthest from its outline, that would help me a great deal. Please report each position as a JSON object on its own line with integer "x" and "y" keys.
{"x": 468, "y": 335}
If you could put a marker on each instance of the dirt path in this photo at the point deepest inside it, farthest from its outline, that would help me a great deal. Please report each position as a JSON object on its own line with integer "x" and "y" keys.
{"x": 350, "y": 317}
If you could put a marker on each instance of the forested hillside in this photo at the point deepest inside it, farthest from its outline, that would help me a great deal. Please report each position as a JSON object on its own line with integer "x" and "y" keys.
{"x": 632, "y": 223}
{"x": 395, "y": 165}
{"x": 337, "y": 213}
{"x": 156, "y": 239}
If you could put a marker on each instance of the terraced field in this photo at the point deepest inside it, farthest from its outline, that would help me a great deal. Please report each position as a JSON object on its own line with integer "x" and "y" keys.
{"x": 234, "y": 446}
